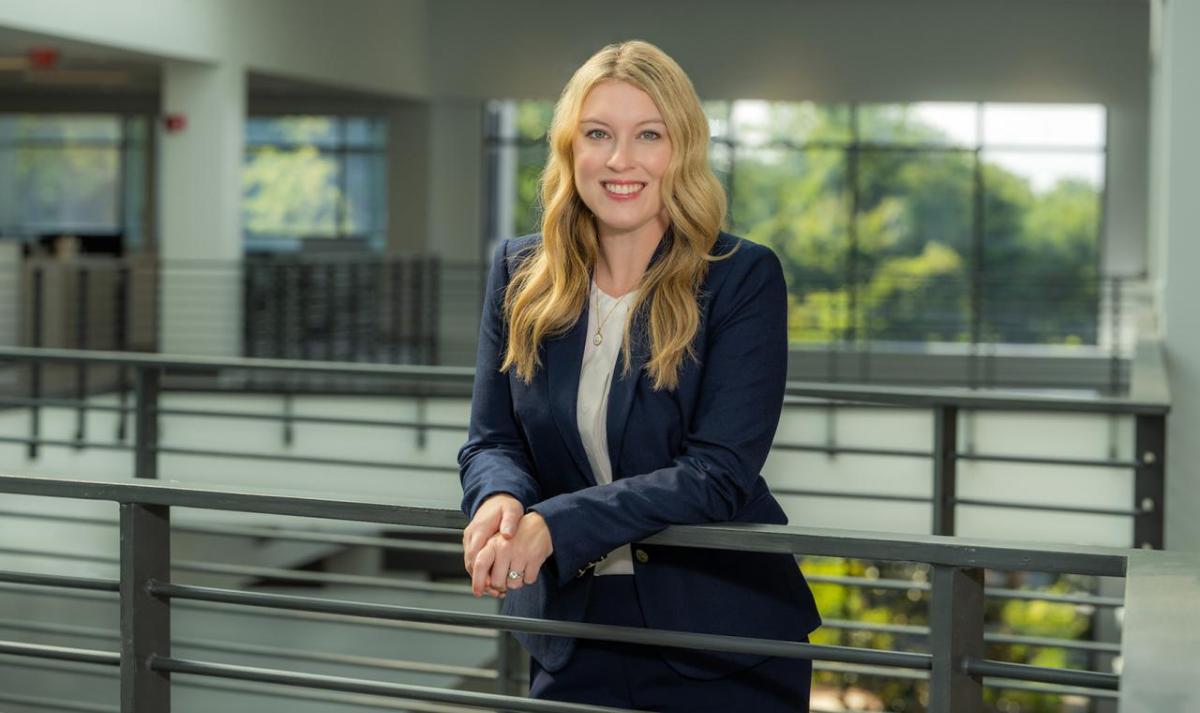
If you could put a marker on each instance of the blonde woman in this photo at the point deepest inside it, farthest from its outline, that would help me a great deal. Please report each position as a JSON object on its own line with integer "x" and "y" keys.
{"x": 630, "y": 376}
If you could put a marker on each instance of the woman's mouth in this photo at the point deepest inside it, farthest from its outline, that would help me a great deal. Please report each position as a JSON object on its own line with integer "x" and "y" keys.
{"x": 623, "y": 191}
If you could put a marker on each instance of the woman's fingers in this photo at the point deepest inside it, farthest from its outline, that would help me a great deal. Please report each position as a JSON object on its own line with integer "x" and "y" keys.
{"x": 480, "y": 569}
{"x": 500, "y": 574}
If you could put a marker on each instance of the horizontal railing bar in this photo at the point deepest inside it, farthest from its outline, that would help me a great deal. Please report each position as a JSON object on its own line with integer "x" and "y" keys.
{"x": 974, "y": 399}
{"x": 316, "y": 535}
{"x": 57, "y": 580}
{"x": 343, "y": 619}
{"x": 1120, "y": 512}
{"x": 924, "y": 397}
{"x": 1052, "y": 689}
{"x": 376, "y": 688}
{"x": 25, "y": 440}
{"x": 1038, "y": 674}
{"x": 254, "y": 688}
{"x": 871, "y": 545}
{"x": 931, "y": 549}
{"x": 997, "y": 593}
{"x": 307, "y": 460}
{"x": 240, "y": 501}
{"x": 56, "y": 704}
{"x": 634, "y": 635}
{"x": 355, "y": 580}
{"x": 402, "y": 545}
{"x": 309, "y": 695}
{"x": 849, "y": 495}
{"x": 60, "y": 653}
{"x": 1047, "y": 688}
{"x": 64, "y": 403}
{"x": 207, "y": 363}
{"x": 241, "y": 570}
{"x": 991, "y": 638}
{"x": 297, "y": 418}
{"x": 850, "y": 450}
{"x": 1106, "y": 647}
{"x": 1037, "y": 460}
{"x": 865, "y": 670}
{"x": 1066, "y": 598}
{"x": 272, "y": 651}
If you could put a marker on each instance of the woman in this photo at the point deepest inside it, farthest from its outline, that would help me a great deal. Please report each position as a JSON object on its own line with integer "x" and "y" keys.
{"x": 574, "y": 456}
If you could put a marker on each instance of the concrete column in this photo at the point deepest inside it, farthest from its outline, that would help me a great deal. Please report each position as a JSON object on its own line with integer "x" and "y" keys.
{"x": 456, "y": 200}
{"x": 1175, "y": 233}
{"x": 408, "y": 157}
{"x": 200, "y": 218}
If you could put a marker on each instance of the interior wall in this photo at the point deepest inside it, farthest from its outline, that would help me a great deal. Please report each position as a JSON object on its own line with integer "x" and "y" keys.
{"x": 372, "y": 45}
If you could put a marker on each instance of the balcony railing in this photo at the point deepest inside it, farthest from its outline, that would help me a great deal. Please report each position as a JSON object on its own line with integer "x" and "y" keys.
{"x": 147, "y": 375}
{"x": 1162, "y": 604}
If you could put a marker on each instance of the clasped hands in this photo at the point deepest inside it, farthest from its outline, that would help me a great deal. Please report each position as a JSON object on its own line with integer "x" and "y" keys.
{"x": 502, "y": 537}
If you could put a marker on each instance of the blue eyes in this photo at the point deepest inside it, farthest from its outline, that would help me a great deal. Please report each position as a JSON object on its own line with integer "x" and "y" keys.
{"x": 648, "y": 134}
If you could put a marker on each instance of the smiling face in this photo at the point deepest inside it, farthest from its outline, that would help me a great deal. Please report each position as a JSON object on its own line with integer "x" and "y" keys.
{"x": 621, "y": 152}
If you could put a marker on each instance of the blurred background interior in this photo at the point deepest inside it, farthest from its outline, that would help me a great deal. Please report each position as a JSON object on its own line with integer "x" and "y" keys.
{"x": 986, "y": 212}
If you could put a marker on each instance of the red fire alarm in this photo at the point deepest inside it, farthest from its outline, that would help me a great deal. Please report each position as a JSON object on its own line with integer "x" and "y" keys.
{"x": 175, "y": 123}
{"x": 43, "y": 57}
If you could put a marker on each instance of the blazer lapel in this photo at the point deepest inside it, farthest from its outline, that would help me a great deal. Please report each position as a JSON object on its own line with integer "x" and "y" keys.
{"x": 620, "y": 394}
{"x": 564, "y": 358}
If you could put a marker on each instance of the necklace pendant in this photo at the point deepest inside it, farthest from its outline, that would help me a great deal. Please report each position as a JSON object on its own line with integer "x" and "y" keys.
{"x": 597, "y": 339}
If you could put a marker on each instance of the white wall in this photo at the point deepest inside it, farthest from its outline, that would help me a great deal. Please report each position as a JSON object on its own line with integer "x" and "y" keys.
{"x": 372, "y": 45}
{"x": 1176, "y": 162}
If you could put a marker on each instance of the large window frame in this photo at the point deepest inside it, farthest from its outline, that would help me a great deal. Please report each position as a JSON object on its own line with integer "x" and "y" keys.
{"x": 511, "y": 138}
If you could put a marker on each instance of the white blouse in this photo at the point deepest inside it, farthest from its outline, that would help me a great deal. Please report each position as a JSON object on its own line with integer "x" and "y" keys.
{"x": 595, "y": 378}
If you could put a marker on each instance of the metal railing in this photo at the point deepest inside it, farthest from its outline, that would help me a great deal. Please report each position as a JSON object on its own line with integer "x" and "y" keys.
{"x": 956, "y": 667}
{"x": 1148, "y": 406}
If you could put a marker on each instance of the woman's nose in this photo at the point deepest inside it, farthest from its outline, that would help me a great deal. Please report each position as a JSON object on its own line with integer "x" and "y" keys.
{"x": 620, "y": 157}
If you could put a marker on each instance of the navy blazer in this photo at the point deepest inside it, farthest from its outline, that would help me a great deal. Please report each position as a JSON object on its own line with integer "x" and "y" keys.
{"x": 687, "y": 456}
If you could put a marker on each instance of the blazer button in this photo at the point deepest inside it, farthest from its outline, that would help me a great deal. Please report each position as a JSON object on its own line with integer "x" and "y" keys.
{"x": 641, "y": 555}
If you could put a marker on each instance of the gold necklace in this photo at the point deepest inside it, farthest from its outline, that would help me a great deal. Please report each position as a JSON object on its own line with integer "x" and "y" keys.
{"x": 598, "y": 338}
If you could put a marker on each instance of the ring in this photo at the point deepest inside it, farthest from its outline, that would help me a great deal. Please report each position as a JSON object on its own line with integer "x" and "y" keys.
{"x": 514, "y": 574}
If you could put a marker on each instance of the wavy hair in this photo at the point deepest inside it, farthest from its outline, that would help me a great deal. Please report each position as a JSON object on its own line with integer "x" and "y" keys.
{"x": 548, "y": 291}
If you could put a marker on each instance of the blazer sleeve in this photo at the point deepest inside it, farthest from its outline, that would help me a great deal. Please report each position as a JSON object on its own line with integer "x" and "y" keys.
{"x": 737, "y": 412}
{"x": 495, "y": 458}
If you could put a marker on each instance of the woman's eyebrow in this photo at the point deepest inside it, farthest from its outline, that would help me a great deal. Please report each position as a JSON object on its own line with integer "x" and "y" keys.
{"x": 643, "y": 121}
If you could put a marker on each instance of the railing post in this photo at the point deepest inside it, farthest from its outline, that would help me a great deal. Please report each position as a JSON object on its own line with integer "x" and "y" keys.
{"x": 145, "y": 618}
{"x": 122, "y": 341}
{"x": 81, "y": 336}
{"x": 955, "y": 635}
{"x": 945, "y": 467}
{"x": 1150, "y": 480}
{"x": 289, "y": 434}
{"x": 35, "y": 367}
{"x": 147, "y": 380}
{"x": 422, "y": 416}
{"x": 510, "y": 660}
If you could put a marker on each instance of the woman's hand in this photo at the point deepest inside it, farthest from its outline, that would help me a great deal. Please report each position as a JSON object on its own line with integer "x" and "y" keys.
{"x": 499, "y": 514}
{"x": 525, "y": 552}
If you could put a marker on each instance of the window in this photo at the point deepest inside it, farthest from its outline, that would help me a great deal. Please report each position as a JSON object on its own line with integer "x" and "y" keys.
{"x": 314, "y": 178}
{"x": 72, "y": 174}
{"x": 924, "y": 222}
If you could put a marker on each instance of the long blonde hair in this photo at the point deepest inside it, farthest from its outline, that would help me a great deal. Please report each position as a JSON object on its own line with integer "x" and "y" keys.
{"x": 547, "y": 293}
